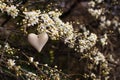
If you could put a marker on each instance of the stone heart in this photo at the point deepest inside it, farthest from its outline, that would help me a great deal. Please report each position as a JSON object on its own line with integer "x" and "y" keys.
{"x": 38, "y": 41}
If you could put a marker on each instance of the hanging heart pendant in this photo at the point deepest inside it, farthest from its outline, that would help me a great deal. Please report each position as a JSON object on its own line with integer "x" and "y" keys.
{"x": 38, "y": 41}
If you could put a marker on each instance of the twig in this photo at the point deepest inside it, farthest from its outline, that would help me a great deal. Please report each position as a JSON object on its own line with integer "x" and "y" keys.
{"x": 7, "y": 20}
{"x": 65, "y": 14}
{"x": 36, "y": 66}
{"x": 111, "y": 62}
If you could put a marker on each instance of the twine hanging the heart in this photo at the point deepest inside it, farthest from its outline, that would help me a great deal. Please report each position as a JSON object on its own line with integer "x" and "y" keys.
{"x": 38, "y": 41}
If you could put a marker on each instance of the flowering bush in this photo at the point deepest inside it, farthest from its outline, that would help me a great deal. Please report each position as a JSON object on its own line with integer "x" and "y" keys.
{"x": 91, "y": 47}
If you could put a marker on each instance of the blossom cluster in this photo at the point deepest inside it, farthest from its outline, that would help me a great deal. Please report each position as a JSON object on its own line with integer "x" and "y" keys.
{"x": 56, "y": 28}
{"x": 8, "y": 49}
{"x": 45, "y": 73}
{"x": 31, "y": 18}
{"x": 31, "y": 76}
{"x": 104, "y": 40}
{"x": 85, "y": 43}
{"x": 82, "y": 42}
{"x": 99, "y": 11}
{"x": 11, "y": 63}
{"x": 97, "y": 59}
{"x": 11, "y": 10}
{"x": 95, "y": 12}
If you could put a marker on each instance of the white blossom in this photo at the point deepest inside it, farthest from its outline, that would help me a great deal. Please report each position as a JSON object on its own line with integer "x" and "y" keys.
{"x": 99, "y": 1}
{"x": 31, "y": 76}
{"x": 31, "y": 59}
{"x": 108, "y": 22}
{"x": 31, "y": 17}
{"x": 95, "y": 12}
{"x": 87, "y": 42}
{"x": 2, "y": 6}
{"x": 91, "y": 4}
{"x": 104, "y": 40}
{"x": 103, "y": 18}
{"x": 10, "y": 63}
{"x": 12, "y": 10}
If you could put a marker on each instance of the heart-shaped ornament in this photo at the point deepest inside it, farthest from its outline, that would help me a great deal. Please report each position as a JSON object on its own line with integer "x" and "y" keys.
{"x": 38, "y": 41}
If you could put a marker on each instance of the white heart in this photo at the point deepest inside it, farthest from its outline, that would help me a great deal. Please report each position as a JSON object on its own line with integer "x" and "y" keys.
{"x": 38, "y": 41}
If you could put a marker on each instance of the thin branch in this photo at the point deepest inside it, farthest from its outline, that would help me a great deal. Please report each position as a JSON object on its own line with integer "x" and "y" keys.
{"x": 6, "y": 21}
{"x": 72, "y": 7}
